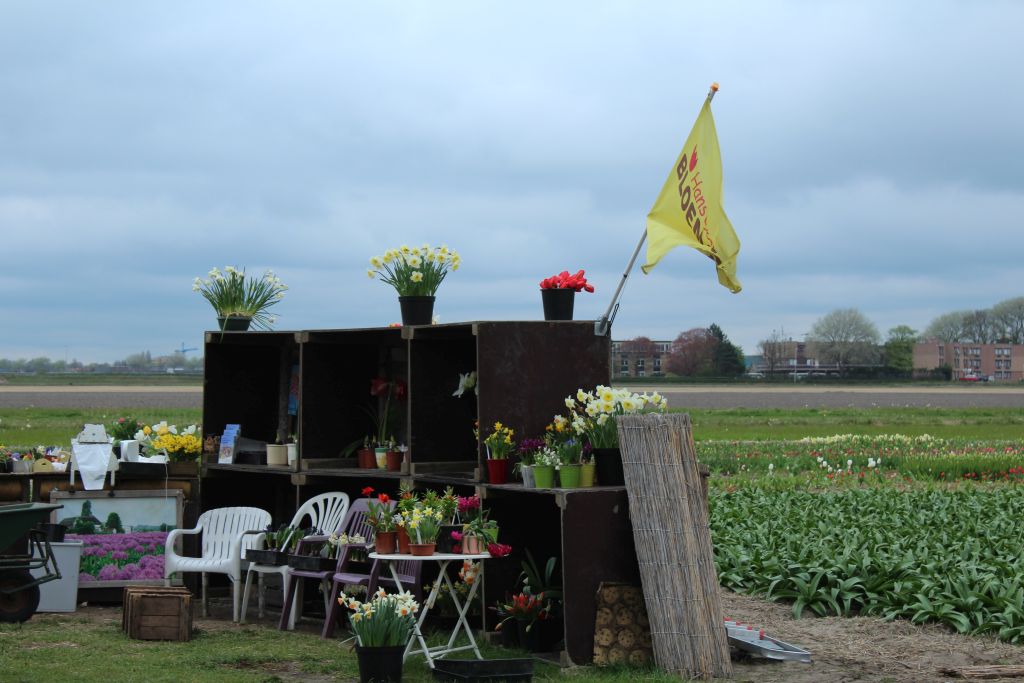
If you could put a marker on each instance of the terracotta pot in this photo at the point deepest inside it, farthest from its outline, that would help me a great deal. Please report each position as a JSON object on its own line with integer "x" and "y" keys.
{"x": 386, "y": 542}
{"x": 403, "y": 540}
{"x": 421, "y": 549}
{"x": 366, "y": 459}
{"x": 472, "y": 545}
{"x": 394, "y": 460}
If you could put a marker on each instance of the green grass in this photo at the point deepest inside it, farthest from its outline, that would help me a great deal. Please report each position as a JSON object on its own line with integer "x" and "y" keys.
{"x": 161, "y": 379}
{"x": 742, "y": 424}
{"x": 55, "y": 426}
{"x": 70, "y": 647}
{"x": 27, "y": 427}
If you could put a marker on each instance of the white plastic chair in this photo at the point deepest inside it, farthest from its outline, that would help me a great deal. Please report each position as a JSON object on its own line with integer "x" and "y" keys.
{"x": 227, "y": 534}
{"x": 324, "y": 514}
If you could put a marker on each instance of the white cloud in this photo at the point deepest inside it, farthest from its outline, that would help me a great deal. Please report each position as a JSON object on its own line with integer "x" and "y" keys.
{"x": 872, "y": 159}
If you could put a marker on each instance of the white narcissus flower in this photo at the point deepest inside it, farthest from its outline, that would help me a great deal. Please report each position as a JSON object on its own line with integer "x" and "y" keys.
{"x": 416, "y": 276}
{"x": 414, "y": 261}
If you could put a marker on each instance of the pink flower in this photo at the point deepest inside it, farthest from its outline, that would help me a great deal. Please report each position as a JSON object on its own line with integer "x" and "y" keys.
{"x": 457, "y": 537}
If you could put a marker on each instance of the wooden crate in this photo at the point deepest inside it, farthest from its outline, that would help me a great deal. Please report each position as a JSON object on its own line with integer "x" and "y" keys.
{"x": 157, "y": 613}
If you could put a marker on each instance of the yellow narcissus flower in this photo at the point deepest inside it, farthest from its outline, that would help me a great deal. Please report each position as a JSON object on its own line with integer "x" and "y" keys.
{"x": 376, "y": 262}
{"x": 416, "y": 276}
{"x": 370, "y": 273}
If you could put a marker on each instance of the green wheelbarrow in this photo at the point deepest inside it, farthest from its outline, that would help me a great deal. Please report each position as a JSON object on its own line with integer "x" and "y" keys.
{"x": 19, "y": 589}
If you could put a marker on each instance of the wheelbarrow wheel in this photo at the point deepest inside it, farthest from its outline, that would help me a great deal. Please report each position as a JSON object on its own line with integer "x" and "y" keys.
{"x": 19, "y": 605}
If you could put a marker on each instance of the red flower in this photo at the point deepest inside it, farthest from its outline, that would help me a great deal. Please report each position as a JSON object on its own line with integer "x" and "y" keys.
{"x": 499, "y": 549}
{"x": 378, "y": 386}
{"x": 383, "y": 497}
{"x": 563, "y": 280}
{"x": 368, "y": 491}
{"x": 400, "y": 389}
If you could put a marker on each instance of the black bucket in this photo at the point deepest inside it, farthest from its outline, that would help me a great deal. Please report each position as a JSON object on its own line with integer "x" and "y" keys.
{"x": 380, "y": 664}
{"x": 483, "y": 670}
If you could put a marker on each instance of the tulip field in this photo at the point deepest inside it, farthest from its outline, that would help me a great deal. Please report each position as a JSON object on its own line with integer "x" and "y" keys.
{"x": 917, "y": 528}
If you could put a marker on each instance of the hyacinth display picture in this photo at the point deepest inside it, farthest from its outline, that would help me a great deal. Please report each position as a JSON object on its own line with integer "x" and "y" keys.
{"x": 123, "y": 537}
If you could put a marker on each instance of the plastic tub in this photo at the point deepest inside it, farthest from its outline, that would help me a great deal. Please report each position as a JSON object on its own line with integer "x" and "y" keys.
{"x": 483, "y": 669}
{"x": 61, "y": 595}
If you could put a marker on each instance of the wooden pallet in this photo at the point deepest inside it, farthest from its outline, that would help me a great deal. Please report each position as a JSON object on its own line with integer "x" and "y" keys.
{"x": 157, "y": 613}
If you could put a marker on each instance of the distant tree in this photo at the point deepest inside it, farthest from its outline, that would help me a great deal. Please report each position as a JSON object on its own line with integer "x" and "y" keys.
{"x": 87, "y": 509}
{"x": 641, "y": 347}
{"x": 1008, "y": 317}
{"x": 139, "y": 361}
{"x": 773, "y": 351}
{"x": 844, "y": 337}
{"x": 899, "y": 350}
{"x": 728, "y": 358}
{"x": 979, "y": 327}
{"x": 948, "y": 327}
{"x": 693, "y": 353}
{"x": 83, "y": 526}
{"x": 114, "y": 523}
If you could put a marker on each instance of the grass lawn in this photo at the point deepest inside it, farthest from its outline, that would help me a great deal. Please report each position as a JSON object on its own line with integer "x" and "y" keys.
{"x": 54, "y": 647}
{"x": 55, "y": 426}
{"x": 27, "y": 427}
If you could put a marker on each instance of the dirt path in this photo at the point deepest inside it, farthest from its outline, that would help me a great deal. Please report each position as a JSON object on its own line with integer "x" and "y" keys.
{"x": 860, "y": 648}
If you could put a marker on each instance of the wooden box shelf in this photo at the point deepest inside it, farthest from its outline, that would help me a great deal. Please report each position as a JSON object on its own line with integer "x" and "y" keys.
{"x": 525, "y": 369}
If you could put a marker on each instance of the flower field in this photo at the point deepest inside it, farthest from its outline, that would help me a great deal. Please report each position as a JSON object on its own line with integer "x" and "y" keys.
{"x": 122, "y": 557}
{"x": 848, "y": 456}
{"x": 898, "y": 527}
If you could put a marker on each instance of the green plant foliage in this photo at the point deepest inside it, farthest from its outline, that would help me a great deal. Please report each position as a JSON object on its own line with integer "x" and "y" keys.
{"x": 950, "y": 556}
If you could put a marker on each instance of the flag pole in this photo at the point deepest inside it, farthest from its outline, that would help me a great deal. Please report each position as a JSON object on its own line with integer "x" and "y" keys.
{"x": 602, "y": 325}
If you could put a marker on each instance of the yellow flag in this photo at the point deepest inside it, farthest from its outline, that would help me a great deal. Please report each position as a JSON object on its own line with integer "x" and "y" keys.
{"x": 689, "y": 209}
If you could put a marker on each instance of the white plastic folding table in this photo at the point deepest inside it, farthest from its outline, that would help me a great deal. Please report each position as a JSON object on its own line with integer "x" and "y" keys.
{"x": 443, "y": 560}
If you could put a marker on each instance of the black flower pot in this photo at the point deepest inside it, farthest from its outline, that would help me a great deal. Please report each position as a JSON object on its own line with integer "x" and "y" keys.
{"x": 445, "y": 542}
{"x": 608, "y": 467}
{"x": 233, "y": 323}
{"x": 380, "y": 664}
{"x": 311, "y": 563}
{"x": 274, "y": 558}
{"x": 558, "y": 303}
{"x": 417, "y": 310}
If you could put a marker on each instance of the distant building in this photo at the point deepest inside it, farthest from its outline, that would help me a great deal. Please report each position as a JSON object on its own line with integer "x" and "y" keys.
{"x": 787, "y": 357}
{"x": 1000, "y": 362}
{"x": 628, "y": 361}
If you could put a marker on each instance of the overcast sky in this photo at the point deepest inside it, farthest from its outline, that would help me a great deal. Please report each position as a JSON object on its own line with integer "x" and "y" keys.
{"x": 873, "y": 158}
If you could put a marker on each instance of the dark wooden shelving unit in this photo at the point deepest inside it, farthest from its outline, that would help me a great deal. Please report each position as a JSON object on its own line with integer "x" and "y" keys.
{"x": 525, "y": 369}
